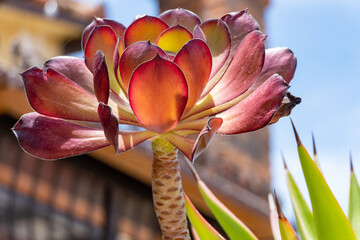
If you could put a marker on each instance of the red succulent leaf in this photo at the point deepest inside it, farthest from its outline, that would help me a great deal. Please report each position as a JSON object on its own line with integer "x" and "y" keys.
{"x": 256, "y": 110}
{"x": 117, "y": 27}
{"x": 110, "y": 124}
{"x": 101, "y": 78}
{"x": 194, "y": 59}
{"x": 144, "y": 29}
{"x": 52, "y": 94}
{"x": 128, "y": 140}
{"x": 277, "y": 60}
{"x": 240, "y": 23}
{"x": 158, "y": 93}
{"x": 52, "y": 138}
{"x": 135, "y": 55}
{"x": 243, "y": 69}
{"x": 74, "y": 69}
{"x": 119, "y": 49}
{"x": 102, "y": 38}
{"x": 180, "y": 17}
{"x": 191, "y": 147}
{"x": 216, "y": 34}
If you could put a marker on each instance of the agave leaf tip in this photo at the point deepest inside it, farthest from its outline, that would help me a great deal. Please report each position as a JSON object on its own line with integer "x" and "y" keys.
{"x": 351, "y": 163}
{"x": 283, "y": 158}
{"x": 278, "y": 206}
{"x": 314, "y": 145}
{"x": 296, "y": 134}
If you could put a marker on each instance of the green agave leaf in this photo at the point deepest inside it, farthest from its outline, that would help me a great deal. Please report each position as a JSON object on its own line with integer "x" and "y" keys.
{"x": 354, "y": 203}
{"x": 274, "y": 218}
{"x": 304, "y": 218}
{"x": 330, "y": 220}
{"x": 233, "y": 227}
{"x": 203, "y": 229}
{"x": 286, "y": 230}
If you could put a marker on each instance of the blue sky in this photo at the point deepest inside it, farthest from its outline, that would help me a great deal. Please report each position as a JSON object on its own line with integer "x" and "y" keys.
{"x": 325, "y": 36}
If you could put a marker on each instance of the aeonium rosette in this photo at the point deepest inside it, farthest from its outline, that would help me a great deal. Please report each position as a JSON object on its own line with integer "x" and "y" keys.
{"x": 173, "y": 75}
{"x": 179, "y": 79}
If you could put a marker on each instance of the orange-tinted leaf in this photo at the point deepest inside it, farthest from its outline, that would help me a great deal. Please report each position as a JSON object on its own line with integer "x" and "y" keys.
{"x": 146, "y": 28}
{"x": 172, "y": 39}
{"x": 135, "y": 55}
{"x": 117, "y": 27}
{"x": 158, "y": 93}
{"x": 103, "y": 39}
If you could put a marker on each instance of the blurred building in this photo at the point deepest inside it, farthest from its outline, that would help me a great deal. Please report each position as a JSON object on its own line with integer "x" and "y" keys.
{"x": 103, "y": 196}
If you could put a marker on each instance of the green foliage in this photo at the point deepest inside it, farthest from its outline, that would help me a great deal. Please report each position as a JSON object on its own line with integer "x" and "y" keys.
{"x": 203, "y": 229}
{"x": 233, "y": 227}
{"x": 354, "y": 203}
{"x": 330, "y": 220}
{"x": 304, "y": 218}
{"x": 327, "y": 221}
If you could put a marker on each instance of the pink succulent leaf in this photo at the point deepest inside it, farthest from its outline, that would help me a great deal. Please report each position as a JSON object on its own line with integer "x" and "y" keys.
{"x": 158, "y": 93}
{"x": 277, "y": 60}
{"x": 194, "y": 59}
{"x": 52, "y": 94}
{"x": 216, "y": 34}
{"x": 191, "y": 147}
{"x": 52, "y": 138}
{"x": 109, "y": 124}
{"x": 117, "y": 27}
{"x": 196, "y": 125}
{"x": 257, "y": 109}
{"x": 128, "y": 140}
{"x": 101, "y": 78}
{"x": 144, "y": 29}
{"x": 243, "y": 69}
{"x": 135, "y": 55}
{"x": 240, "y": 23}
{"x": 288, "y": 103}
{"x": 180, "y": 17}
{"x": 74, "y": 69}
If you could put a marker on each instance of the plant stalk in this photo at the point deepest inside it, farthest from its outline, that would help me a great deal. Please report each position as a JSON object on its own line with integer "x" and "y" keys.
{"x": 168, "y": 195}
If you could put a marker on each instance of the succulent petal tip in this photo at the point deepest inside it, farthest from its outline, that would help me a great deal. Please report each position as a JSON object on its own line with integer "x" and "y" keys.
{"x": 296, "y": 134}
{"x": 351, "y": 163}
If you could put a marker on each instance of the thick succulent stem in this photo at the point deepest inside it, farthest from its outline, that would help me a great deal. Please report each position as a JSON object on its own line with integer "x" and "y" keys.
{"x": 167, "y": 191}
